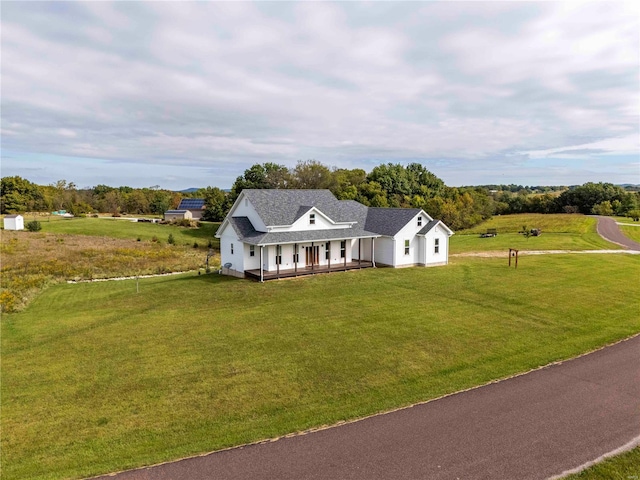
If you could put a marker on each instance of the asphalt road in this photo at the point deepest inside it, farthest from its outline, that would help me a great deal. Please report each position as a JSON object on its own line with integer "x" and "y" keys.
{"x": 609, "y": 230}
{"x": 528, "y": 427}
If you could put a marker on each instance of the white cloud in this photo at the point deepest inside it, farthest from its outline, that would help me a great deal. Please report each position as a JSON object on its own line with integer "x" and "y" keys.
{"x": 199, "y": 84}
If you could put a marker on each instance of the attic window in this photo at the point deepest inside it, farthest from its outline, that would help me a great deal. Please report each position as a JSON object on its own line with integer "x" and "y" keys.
{"x": 232, "y": 249}
{"x": 246, "y": 202}
{"x": 406, "y": 247}
{"x": 419, "y": 221}
{"x": 436, "y": 246}
{"x": 252, "y": 250}
{"x": 312, "y": 219}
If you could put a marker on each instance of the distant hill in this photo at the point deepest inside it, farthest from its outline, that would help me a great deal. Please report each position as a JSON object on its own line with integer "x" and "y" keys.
{"x": 193, "y": 189}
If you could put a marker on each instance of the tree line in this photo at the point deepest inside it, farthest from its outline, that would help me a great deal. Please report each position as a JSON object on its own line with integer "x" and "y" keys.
{"x": 387, "y": 185}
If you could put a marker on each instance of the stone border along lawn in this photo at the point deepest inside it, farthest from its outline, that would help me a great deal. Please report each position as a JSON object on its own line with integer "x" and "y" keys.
{"x": 98, "y": 378}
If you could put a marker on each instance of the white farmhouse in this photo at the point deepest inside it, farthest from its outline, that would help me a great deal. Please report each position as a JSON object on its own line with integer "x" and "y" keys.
{"x": 282, "y": 233}
{"x": 13, "y": 222}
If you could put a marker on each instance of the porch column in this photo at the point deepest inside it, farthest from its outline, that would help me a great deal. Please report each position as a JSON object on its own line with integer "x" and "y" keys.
{"x": 278, "y": 247}
{"x": 313, "y": 254}
{"x": 295, "y": 257}
{"x": 329, "y": 255}
{"x": 261, "y": 272}
{"x": 359, "y": 252}
{"x": 345, "y": 254}
{"x": 373, "y": 260}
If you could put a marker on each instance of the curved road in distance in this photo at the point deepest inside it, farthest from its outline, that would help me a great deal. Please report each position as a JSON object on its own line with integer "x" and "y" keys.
{"x": 609, "y": 230}
{"x": 530, "y": 427}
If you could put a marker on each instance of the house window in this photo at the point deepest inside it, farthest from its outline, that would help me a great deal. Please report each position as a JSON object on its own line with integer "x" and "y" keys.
{"x": 278, "y": 254}
{"x": 343, "y": 249}
{"x": 232, "y": 249}
{"x": 419, "y": 221}
{"x": 252, "y": 250}
{"x": 296, "y": 255}
{"x": 436, "y": 247}
{"x": 246, "y": 202}
{"x": 312, "y": 218}
{"x": 406, "y": 247}
{"x": 327, "y": 253}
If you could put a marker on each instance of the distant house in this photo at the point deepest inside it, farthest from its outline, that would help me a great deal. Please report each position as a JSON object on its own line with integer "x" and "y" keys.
{"x": 194, "y": 205}
{"x": 177, "y": 215}
{"x": 13, "y": 222}
{"x": 280, "y": 233}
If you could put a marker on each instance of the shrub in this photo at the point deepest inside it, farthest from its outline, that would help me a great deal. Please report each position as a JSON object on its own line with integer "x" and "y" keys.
{"x": 195, "y": 245}
{"x": 171, "y": 240}
{"x": 154, "y": 239}
{"x": 138, "y": 239}
{"x": 34, "y": 226}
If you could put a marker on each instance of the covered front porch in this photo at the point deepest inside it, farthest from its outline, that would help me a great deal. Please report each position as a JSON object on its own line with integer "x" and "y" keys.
{"x": 311, "y": 270}
{"x": 284, "y": 260}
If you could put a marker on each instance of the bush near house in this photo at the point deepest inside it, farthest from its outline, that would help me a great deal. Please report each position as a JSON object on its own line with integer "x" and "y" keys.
{"x": 34, "y": 226}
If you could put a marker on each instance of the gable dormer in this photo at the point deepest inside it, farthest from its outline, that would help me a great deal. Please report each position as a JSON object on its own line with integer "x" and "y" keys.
{"x": 244, "y": 208}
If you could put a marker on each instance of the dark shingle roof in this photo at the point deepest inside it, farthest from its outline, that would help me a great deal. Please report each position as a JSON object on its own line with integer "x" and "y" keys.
{"x": 245, "y": 231}
{"x": 428, "y": 227}
{"x": 389, "y": 221}
{"x": 284, "y": 207}
{"x": 176, "y": 211}
{"x": 191, "y": 204}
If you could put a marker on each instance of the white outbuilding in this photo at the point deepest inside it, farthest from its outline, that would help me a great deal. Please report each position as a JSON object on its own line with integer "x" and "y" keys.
{"x": 13, "y": 222}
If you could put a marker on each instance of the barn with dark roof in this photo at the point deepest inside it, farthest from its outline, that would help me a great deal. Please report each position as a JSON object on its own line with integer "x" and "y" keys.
{"x": 194, "y": 205}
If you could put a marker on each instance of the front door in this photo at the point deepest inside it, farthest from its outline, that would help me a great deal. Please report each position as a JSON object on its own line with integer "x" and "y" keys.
{"x": 312, "y": 254}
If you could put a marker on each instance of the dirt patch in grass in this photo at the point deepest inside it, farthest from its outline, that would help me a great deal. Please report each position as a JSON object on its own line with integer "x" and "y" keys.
{"x": 31, "y": 261}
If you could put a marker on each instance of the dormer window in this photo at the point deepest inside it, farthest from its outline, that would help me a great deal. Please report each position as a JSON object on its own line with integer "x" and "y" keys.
{"x": 419, "y": 221}
{"x": 312, "y": 219}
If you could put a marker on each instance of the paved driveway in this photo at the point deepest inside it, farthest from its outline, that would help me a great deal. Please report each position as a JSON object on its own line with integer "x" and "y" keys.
{"x": 609, "y": 230}
{"x": 528, "y": 427}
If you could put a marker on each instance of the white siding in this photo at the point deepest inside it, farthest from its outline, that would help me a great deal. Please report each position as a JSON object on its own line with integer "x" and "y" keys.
{"x": 244, "y": 208}
{"x": 304, "y": 224}
{"x": 236, "y": 258}
{"x": 408, "y": 232}
{"x": 442, "y": 257}
{"x": 251, "y": 263}
{"x": 16, "y": 223}
{"x": 383, "y": 251}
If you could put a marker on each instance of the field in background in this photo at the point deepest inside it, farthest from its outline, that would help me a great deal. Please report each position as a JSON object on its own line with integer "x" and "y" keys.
{"x": 120, "y": 228}
{"x": 559, "y": 232}
{"x": 33, "y": 260}
{"x": 97, "y": 377}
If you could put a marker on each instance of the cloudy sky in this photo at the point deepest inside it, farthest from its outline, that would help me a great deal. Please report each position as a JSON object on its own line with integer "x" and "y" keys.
{"x": 191, "y": 94}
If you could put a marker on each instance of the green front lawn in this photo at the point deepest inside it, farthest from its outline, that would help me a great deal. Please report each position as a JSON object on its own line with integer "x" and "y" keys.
{"x": 98, "y": 378}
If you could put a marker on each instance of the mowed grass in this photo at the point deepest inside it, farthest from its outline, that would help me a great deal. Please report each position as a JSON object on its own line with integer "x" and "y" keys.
{"x": 559, "y": 232}
{"x": 119, "y": 228}
{"x": 622, "y": 467}
{"x": 98, "y": 378}
{"x": 631, "y": 232}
